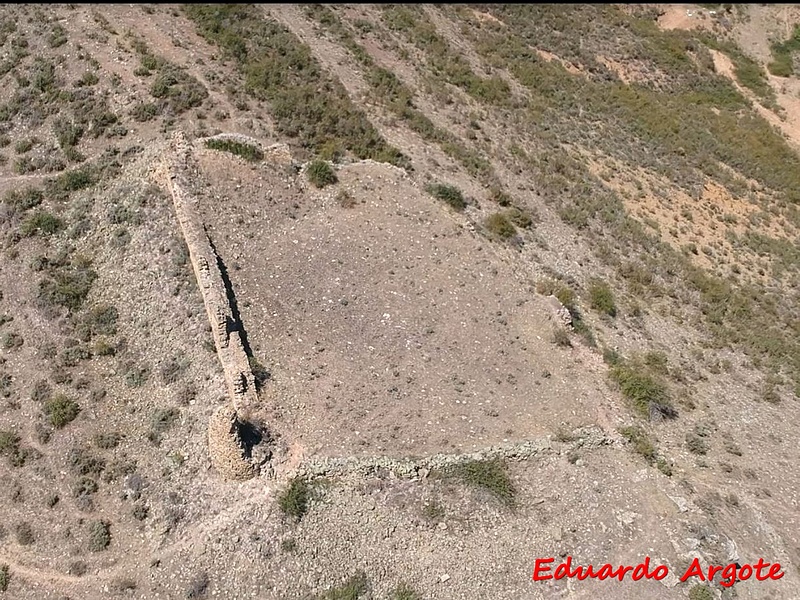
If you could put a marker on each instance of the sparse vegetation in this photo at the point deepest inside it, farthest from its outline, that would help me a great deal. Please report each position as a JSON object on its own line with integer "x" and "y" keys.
{"x": 601, "y": 298}
{"x": 306, "y": 103}
{"x": 161, "y": 421}
{"x": 5, "y": 578}
{"x": 500, "y": 225}
{"x": 352, "y": 589}
{"x": 783, "y": 53}
{"x": 488, "y": 475}
{"x": 293, "y": 500}
{"x": 42, "y": 223}
{"x": 404, "y": 591}
{"x": 640, "y": 441}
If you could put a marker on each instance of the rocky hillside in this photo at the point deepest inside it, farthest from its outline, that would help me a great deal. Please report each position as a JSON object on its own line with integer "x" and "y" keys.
{"x": 510, "y": 282}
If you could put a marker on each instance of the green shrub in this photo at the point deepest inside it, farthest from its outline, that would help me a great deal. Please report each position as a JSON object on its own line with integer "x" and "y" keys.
{"x": 293, "y": 501}
{"x": 644, "y": 391}
{"x": 144, "y": 111}
{"x": 242, "y": 149}
{"x": 320, "y": 174}
{"x": 68, "y": 284}
{"x": 352, "y": 589}
{"x": 61, "y": 410}
{"x": 700, "y": 592}
{"x": 42, "y": 223}
{"x": 499, "y": 225}
{"x": 403, "y": 591}
{"x": 5, "y": 577}
{"x": 161, "y": 421}
{"x": 448, "y": 194}
{"x": 601, "y": 298}
{"x": 489, "y": 475}
{"x": 24, "y": 199}
{"x": 641, "y": 442}
{"x": 99, "y": 535}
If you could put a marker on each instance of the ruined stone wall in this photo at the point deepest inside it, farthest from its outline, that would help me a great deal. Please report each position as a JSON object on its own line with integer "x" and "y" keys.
{"x": 224, "y": 445}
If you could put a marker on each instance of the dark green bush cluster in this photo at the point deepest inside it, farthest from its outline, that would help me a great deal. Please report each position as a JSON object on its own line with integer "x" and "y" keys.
{"x": 67, "y": 283}
{"x": 448, "y": 194}
{"x": 42, "y": 223}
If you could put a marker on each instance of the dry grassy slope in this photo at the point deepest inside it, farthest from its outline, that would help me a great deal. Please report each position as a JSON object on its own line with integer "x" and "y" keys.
{"x": 459, "y": 362}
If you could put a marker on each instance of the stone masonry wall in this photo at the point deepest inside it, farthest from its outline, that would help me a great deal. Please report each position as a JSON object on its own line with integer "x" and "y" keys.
{"x": 224, "y": 444}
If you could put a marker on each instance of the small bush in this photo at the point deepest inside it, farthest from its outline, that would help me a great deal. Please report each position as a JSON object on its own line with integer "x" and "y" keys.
{"x": 403, "y": 591}
{"x": 42, "y": 223}
{"x": 61, "y": 410}
{"x": 24, "y": 534}
{"x": 448, "y": 194}
{"x": 172, "y": 369}
{"x": 352, "y": 589}
{"x": 644, "y": 391}
{"x": 99, "y": 536}
{"x": 5, "y": 577}
{"x": 696, "y": 443}
{"x": 161, "y": 421}
{"x": 489, "y": 475}
{"x": 640, "y": 441}
{"x": 144, "y": 111}
{"x": 24, "y": 199}
{"x": 244, "y": 150}
{"x": 499, "y": 225}
{"x": 198, "y": 586}
{"x": 320, "y": 174}
{"x": 521, "y": 218}
{"x": 601, "y": 298}
{"x": 293, "y": 501}
{"x": 700, "y": 592}
{"x": 107, "y": 440}
{"x": 561, "y": 338}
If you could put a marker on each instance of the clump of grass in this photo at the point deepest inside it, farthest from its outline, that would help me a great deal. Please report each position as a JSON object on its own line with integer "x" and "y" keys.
{"x": 500, "y": 226}
{"x": 237, "y": 148}
{"x": 24, "y": 199}
{"x": 696, "y": 441}
{"x": 293, "y": 501}
{"x": 489, "y": 475}
{"x": 561, "y": 338}
{"x": 320, "y": 173}
{"x": 700, "y": 592}
{"x": 403, "y": 591}
{"x": 782, "y": 64}
{"x": 161, "y": 421}
{"x": 352, "y": 589}
{"x": 647, "y": 394}
{"x": 601, "y": 298}
{"x": 640, "y": 441}
{"x": 448, "y": 194}
{"x": 42, "y": 223}
{"x": 61, "y": 410}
